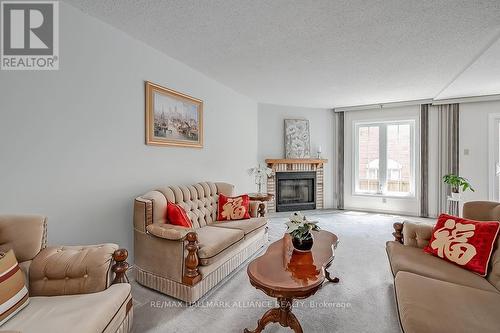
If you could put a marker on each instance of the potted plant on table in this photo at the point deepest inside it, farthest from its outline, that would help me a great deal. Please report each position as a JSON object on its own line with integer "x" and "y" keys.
{"x": 457, "y": 183}
{"x": 300, "y": 229}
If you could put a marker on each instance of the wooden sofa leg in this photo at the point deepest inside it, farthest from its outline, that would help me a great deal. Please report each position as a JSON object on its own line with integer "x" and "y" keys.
{"x": 120, "y": 267}
{"x": 398, "y": 232}
{"x": 191, "y": 273}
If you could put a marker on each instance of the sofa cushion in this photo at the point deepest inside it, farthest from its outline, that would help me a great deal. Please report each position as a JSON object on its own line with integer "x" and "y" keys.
{"x": 214, "y": 240}
{"x": 65, "y": 313}
{"x": 464, "y": 242}
{"x": 413, "y": 259}
{"x": 234, "y": 251}
{"x": 247, "y": 226}
{"x": 434, "y": 306}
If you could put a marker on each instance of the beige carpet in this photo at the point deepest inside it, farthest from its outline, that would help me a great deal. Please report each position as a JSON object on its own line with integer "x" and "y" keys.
{"x": 363, "y": 301}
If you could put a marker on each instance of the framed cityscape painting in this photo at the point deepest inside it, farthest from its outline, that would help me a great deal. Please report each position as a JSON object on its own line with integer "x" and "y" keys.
{"x": 297, "y": 138}
{"x": 173, "y": 118}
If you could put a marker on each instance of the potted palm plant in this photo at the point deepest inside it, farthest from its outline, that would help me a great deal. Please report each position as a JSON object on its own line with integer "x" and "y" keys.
{"x": 300, "y": 230}
{"x": 457, "y": 183}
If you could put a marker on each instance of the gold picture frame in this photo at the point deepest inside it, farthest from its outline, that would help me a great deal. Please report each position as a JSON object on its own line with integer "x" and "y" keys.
{"x": 172, "y": 118}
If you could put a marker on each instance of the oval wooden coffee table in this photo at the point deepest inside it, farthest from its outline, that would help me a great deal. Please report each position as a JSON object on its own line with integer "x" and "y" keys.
{"x": 287, "y": 274}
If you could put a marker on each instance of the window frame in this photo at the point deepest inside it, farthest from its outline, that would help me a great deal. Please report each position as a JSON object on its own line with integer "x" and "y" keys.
{"x": 382, "y": 124}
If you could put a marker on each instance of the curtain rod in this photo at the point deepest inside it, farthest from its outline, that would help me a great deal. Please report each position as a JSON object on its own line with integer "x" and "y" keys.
{"x": 382, "y": 105}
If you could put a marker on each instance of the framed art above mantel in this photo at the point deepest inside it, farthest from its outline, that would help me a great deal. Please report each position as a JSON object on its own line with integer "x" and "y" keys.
{"x": 173, "y": 118}
{"x": 297, "y": 138}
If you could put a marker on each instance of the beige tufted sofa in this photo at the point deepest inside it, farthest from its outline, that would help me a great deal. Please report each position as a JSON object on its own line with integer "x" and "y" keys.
{"x": 186, "y": 263}
{"x": 435, "y": 296}
{"x": 71, "y": 288}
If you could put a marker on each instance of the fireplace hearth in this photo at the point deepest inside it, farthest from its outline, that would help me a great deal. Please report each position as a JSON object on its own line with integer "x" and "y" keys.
{"x": 295, "y": 191}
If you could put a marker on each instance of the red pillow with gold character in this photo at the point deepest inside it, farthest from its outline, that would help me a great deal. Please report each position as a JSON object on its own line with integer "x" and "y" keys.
{"x": 466, "y": 243}
{"x": 233, "y": 208}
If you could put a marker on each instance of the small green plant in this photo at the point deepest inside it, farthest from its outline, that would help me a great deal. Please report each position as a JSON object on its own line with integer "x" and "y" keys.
{"x": 457, "y": 183}
{"x": 299, "y": 227}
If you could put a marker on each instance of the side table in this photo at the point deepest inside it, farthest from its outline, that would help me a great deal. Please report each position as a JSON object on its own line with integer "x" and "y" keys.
{"x": 263, "y": 198}
{"x": 454, "y": 206}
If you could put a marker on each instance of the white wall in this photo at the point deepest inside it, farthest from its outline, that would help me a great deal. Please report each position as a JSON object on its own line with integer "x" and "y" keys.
{"x": 474, "y": 137}
{"x": 72, "y": 141}
{"x": 321, "y": 122}
{"x": 407, "y": 206}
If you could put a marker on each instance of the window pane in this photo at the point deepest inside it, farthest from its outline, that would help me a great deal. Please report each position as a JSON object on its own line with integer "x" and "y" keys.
{"x": 399, "y": 158}
{"x": 368, "y": 159}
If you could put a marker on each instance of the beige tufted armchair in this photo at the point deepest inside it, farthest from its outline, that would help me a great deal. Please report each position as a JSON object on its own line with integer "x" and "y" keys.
{"x": 187, "y": 263}
{"x": 67, "y": 283}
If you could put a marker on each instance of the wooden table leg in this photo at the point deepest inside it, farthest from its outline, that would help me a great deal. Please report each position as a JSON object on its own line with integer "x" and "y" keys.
{"x": 271, "y": 316}
{"x": 261, "y": 210}
{"x": 282, "y": 315}
{"x": 329, "y": 278}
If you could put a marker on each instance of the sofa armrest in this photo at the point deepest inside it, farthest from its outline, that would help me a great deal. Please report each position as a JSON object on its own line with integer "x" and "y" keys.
{"x": 168, "y": 231}
{"x": 71, "y": 270}
{"x": 412, "y": 233}
{"x": 172, "y": 233}
{"x": 143, "y": 213}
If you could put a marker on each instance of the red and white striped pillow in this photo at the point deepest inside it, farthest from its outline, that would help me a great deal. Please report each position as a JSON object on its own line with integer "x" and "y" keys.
{"x": 13, "y": 292}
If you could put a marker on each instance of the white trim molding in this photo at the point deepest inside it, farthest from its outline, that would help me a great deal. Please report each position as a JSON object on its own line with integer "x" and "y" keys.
{"x": 466, "y": 99}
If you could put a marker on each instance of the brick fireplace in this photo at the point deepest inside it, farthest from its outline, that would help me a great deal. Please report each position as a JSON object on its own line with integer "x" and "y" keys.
{"x": 297, "y": 184}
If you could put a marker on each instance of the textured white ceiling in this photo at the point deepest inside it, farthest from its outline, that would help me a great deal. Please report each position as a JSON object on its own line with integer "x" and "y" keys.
{"x": 321, "y": 53}
{"x": 481, "y": 78}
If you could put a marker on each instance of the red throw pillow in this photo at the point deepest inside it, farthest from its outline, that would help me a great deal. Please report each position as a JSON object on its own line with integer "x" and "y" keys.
{"x": 233, "y": 208}
{"x": 464, "y": 242}
{"x": 177, "y": 215}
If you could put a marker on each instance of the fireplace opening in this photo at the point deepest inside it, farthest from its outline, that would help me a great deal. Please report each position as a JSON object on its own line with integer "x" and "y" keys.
{"x": 295, "y": 191}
